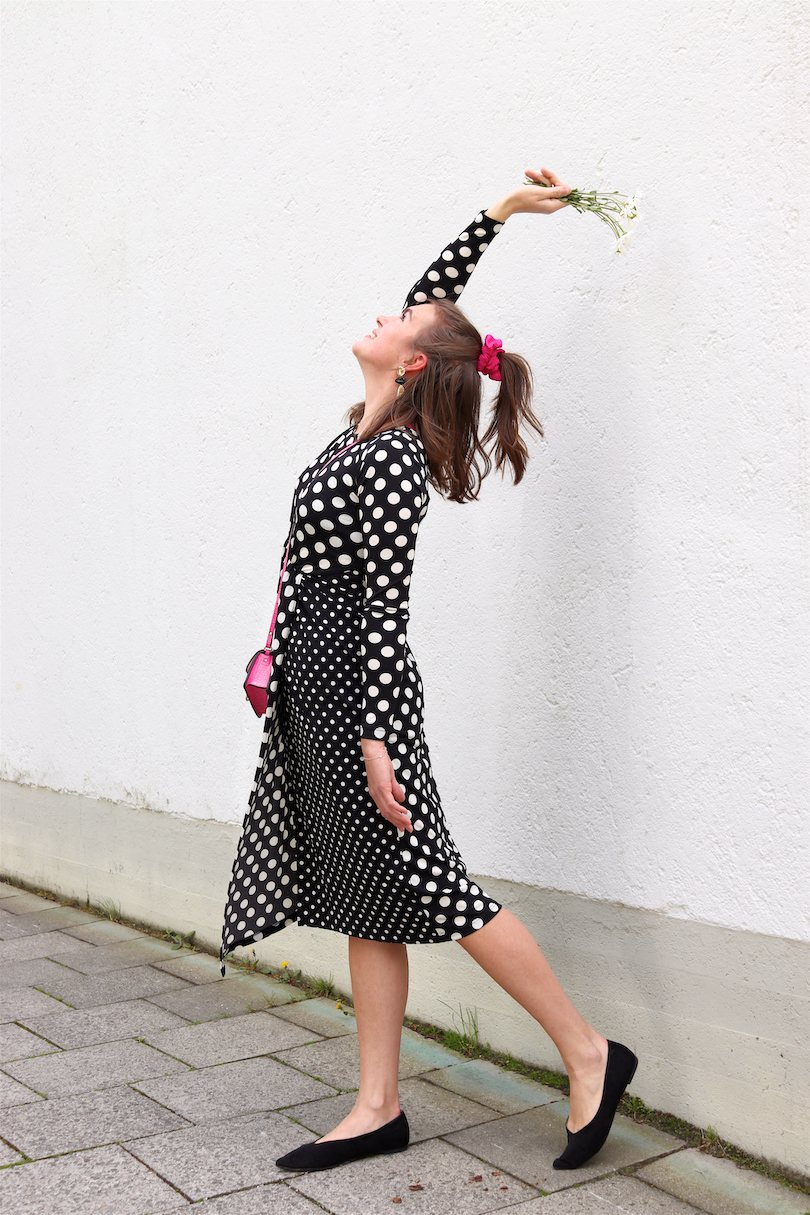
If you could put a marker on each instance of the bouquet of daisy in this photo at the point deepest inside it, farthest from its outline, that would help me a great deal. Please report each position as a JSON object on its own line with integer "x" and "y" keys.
{"x": 619, "y": 211}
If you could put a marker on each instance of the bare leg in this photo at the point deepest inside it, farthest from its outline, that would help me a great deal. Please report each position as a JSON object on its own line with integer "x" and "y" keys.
{"x": 380, "y": 991}
{"x": 508, "y": 952}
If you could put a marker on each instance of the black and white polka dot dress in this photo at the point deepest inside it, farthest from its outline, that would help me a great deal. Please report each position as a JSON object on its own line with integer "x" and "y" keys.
{"x": 314, "y": 848}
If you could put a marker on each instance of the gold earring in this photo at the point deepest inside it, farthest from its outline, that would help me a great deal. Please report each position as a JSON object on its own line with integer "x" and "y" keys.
{"x": 401, "y": 381}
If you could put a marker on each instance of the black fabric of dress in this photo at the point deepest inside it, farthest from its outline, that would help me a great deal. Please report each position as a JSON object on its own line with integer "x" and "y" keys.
{"x": 314, "y": 848}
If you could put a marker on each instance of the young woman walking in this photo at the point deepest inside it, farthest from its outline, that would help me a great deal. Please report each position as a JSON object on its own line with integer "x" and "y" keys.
{"x": 345, "y": 829}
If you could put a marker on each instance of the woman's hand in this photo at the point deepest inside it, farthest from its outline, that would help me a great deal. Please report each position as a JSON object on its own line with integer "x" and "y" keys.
{"x": 543, "y": 199}
{"x": 385, "y": 789}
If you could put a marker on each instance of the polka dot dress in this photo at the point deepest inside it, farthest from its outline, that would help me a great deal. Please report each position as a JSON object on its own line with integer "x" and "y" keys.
{"x": 314, "y": 848}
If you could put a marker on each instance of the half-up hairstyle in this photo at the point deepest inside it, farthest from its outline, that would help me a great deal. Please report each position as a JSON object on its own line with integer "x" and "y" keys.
{"x": 443, "y": 403}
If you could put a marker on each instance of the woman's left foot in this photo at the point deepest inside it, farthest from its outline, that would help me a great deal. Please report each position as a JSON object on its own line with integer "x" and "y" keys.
{"x": 327, "y": 1153}
{"x": 585, "y": 1143}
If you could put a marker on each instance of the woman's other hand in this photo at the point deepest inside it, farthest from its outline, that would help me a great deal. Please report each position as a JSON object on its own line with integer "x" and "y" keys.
{"x": 385, "y": 789}
{"x": 530, "y": 199}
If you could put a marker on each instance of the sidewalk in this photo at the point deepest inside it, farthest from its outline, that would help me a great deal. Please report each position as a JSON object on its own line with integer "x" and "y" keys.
{"x": 134, "y": 1080}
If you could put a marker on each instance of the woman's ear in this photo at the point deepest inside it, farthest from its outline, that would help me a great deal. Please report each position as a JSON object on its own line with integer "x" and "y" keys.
{"x": 418, "y": 361}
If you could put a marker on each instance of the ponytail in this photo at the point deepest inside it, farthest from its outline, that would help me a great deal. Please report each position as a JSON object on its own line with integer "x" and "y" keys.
{"x": 512, "y": 408}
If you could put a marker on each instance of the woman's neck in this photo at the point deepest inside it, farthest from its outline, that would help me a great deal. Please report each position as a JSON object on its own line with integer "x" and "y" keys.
{"x": 379, "y": 396}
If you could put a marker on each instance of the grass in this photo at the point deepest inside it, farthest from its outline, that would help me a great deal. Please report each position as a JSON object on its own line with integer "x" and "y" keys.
{"x": 463, "y": 1036}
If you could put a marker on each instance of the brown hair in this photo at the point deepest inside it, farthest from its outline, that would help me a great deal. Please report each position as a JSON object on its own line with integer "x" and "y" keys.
{"x": 443, "y": 403}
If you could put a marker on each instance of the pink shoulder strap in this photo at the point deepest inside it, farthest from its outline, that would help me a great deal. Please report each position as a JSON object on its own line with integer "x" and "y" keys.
{"x": 287, "y": 553}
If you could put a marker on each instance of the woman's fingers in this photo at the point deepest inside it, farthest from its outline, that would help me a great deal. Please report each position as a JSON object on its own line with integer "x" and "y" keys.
{"x": 384, "y": 788}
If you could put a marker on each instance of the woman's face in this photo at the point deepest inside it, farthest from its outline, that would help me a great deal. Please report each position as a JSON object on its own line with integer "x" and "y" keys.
{"x": 391, "y": 343}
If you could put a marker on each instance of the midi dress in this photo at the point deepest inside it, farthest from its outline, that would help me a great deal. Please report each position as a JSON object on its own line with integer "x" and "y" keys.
{"x": 314, "y": 848}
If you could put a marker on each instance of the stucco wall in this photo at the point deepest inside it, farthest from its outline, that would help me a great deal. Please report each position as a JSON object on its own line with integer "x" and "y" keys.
{"x": 205, "y": 204}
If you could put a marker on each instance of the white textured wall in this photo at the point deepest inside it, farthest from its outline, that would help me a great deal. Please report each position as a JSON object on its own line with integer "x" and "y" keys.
{"x": 205, "y": 204}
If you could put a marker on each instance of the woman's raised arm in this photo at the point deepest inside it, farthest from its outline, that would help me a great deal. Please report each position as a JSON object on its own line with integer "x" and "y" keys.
{"x": 447, "y": 277}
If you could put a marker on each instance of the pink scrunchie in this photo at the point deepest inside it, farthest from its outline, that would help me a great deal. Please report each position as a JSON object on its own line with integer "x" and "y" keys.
{"x": 488, "y": 358}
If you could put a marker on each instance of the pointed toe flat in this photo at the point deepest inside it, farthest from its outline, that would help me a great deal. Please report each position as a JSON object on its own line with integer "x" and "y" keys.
{"x": 585, "y": 1143}
{"x": 311, "y": 1157}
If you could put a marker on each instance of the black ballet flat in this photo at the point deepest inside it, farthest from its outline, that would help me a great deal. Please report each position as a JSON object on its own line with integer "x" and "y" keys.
{"x": 582, "y": 1144}
{"x": 310, "y": 1157}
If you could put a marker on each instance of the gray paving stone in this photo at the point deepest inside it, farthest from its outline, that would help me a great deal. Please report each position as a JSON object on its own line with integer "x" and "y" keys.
{"x": 101, "y": 1181}
{"x": 430, "y": 1111}
{"x": 71, "y": 1027}
{"x": 18, "y": 1043}
{"x": 204, "y": 1161}
{"x": 42, "y": 921}
{"x": 9, "y": 1156}
{"x": 142, "y": 951}
{"x": 89, "y": 991}
{"x": 89, "y": 1067}
{"x": 22, "y": 1002}
{"x": 720, "y": 1187}
{"x": 322, "y": 1015}
{"x": 22, "y": 901}
{"x": 36, "y": 972}
{"x": 229, "y": 1039}
{"x": 44, "y": 945}
{"x": 7, "y": 890}
{"x": 198, "y": 967}
{"x": 272, "y": 1199}
{"x": 104, "y": 932}
{"x": 86, "y": 1120}
{"x": 368, "y": 1187}
{"x": 213, "y": 1094}
{"x": 423, "y": 1054}
{"x": 225, "y": 998}
{"x": 480, "y": 1080}
{"x": 337, "y": 1061}
{"x": 527, "y": 1143}
{"x": 610, "y": 1196}
{"x": 14, "y": 1093}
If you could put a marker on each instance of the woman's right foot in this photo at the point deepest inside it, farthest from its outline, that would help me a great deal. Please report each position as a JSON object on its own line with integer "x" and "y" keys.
{"x": 328, "y": 1153}
{"x": 361, "y": 1121}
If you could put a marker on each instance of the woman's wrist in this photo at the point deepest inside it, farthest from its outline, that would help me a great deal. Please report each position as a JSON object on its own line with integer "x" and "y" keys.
{"x": 502, "y": 209}
{"x": 373, "y": 748}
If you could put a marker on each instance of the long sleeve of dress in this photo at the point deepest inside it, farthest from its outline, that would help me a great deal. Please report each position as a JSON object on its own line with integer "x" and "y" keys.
{"x": 447, "y": 277}
{"x": 393, "y": 500}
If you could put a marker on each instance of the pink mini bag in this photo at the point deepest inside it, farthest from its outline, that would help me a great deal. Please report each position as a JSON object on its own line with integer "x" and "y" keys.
{"x": 260, "y": 668}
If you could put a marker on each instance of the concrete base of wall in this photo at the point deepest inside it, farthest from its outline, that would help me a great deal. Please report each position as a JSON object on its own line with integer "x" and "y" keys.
{"x": 717, "y": 1017}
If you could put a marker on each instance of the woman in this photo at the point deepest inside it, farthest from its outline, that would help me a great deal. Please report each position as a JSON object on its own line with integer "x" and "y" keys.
{"x": 345, "y": 829}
